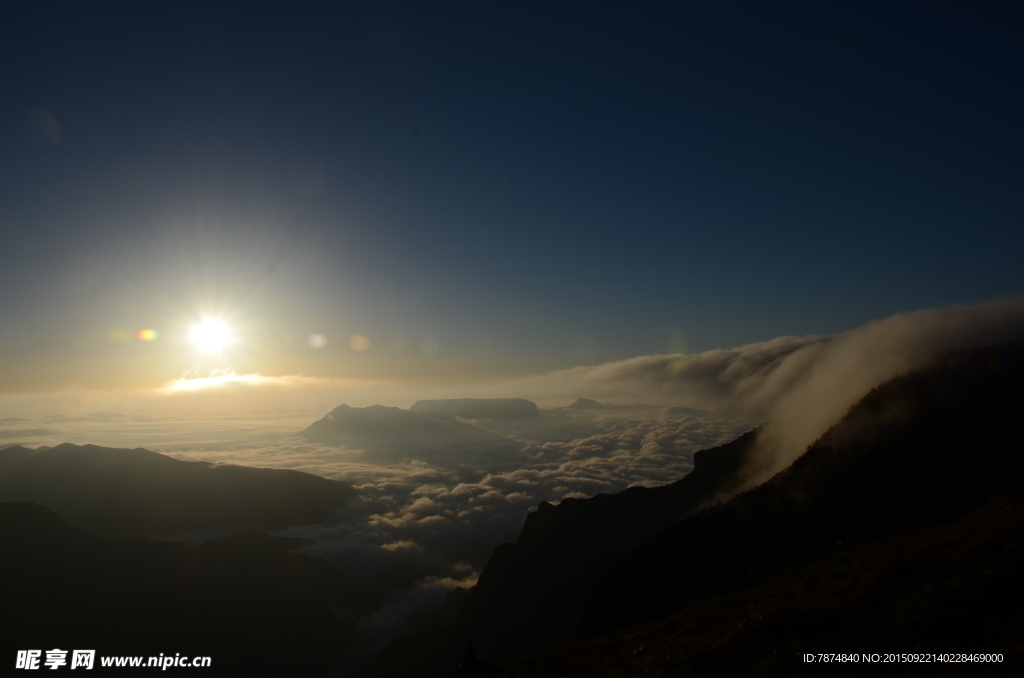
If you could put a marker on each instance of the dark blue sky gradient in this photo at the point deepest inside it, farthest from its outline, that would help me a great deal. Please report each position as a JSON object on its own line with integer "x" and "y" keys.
{"x": 534, "y": 184}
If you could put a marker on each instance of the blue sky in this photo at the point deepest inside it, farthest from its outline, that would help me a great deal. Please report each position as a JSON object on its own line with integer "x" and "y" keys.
{"x": 532, "y": 186}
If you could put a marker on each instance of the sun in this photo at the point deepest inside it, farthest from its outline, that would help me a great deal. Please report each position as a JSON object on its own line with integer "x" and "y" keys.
{"x": 210, "y": 335}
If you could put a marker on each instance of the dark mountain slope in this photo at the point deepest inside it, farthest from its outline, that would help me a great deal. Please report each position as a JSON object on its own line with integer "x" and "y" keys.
{"x": 117, "y": 492}
{"x": 390, "y": 434}
{"x": 532, "y": 592}
{"x": 952, "y": 587}
{"x": 925, "y": 461}
{"x": 244, "y": 600}
{"x": 917, "y": 450}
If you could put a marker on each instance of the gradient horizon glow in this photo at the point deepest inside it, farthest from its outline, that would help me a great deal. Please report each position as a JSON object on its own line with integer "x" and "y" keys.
{"x": 434, "y": 200}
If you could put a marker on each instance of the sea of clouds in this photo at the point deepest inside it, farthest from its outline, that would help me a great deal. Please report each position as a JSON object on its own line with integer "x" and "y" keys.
{"x": 418, "y": 530}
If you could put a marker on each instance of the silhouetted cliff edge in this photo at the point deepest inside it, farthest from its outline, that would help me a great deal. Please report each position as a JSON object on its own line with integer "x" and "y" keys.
{"x": 531, "y": 594}
{"x": 900, "y": 530}
{"x": 921, "y": 449}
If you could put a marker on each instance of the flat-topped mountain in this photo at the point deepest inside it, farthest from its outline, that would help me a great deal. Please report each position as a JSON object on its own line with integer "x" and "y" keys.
{"x": 120, "y": 492}
{"x": 498, "y": 409}
{"x": 390, "y": 434}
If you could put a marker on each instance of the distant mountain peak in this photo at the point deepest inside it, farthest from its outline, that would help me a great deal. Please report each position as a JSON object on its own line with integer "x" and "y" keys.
{"x": 390, "y": 434}
{"x": 586, "y": 404}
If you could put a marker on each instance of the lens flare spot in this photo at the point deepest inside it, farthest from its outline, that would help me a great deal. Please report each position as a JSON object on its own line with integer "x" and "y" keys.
{"x": 148, "y": 334}
{"x": 359, "y": 343}
{"x": 317, "y": 340}
{"x": 43, "y": 128}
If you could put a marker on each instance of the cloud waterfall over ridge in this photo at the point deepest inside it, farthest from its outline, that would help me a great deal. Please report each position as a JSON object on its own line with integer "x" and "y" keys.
{"x": 801, "y": 385}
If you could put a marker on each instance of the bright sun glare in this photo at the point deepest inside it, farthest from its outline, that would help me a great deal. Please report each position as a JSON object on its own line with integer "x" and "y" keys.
{"x": 210, "y": 334}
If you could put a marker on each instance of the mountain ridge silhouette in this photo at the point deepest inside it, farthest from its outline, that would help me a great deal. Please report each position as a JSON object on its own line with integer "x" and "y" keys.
{"x": 135, "y": 493}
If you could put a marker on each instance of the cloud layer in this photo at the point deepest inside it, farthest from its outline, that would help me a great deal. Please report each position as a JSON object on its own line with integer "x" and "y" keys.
{"x": 418, "y": 530}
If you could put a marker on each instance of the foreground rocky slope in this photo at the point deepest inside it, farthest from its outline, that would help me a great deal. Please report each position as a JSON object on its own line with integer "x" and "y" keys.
{"x": 918, "y": 450}
{"x": 532, "y": 593}
{"x": 948, "y": 588}
{"x": 898, "y": 531}
{"x": 247, "y": 601}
